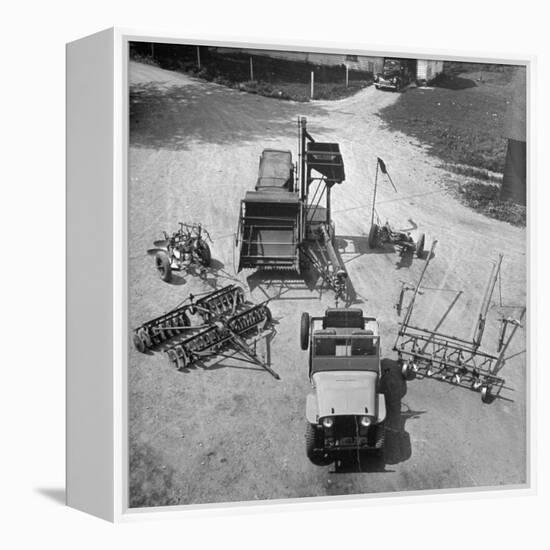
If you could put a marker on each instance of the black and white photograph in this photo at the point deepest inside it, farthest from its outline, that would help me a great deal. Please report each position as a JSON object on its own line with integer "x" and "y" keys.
{"x": 327, "y": 274}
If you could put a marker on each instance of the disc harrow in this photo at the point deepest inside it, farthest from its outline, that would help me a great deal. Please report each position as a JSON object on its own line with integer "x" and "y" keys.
{"x": 220, "y": 302}
{"x": 167, "y": 326}
{"x": 220, "y": 335}
{"x": 227, "y": 321}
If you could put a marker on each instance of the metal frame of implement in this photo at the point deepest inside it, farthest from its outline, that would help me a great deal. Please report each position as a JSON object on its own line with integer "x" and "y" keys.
{"x": 317, "y": 238}
{"x": 228, "y": 321}
{"x": 451, "y": 359}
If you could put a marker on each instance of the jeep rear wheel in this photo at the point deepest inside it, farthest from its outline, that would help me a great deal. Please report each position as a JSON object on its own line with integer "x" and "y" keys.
{"x": 313, "y": 442}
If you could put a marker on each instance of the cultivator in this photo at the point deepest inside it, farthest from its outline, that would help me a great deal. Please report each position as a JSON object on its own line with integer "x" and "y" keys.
{"x": 226, "y": 320}
{"x": 447, "y": 358}
{"x": 283, "y": 224}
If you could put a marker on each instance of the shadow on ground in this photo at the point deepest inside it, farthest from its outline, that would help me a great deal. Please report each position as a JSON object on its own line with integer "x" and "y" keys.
{"x": 164, "y": 116}
{"x": 453, "y": 82}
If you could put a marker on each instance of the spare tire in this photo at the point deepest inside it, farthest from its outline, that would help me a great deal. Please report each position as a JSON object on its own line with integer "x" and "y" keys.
{"x": 304, "y": 331}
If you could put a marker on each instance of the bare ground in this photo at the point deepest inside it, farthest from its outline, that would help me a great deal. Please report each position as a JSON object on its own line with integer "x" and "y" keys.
{"x": 230, "y": 432}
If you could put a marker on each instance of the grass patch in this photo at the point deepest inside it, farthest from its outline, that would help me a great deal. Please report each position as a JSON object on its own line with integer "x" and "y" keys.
{"x": 298, "y": 91}
{"x": 485, "y": 198}
{"x": 473, "y": 172}
{"x": 282, "y": 84}
{"x": 278, "y": 78}
{"x": 461, "y": 119}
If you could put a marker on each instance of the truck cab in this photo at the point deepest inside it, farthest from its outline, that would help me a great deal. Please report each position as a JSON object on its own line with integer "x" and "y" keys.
{"x": 396, "y": 74}
{"x": 346, "y": 410}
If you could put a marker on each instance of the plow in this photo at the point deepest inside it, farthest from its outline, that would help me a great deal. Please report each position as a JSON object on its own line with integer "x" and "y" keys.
{"x": 186, "y": 248}
{"x": 448, "y": 358}
{"x": 224, "y": 320}
{"x": 285, "y": 223}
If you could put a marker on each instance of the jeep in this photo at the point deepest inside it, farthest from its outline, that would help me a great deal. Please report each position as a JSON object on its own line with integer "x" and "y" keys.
{"x": 346, "y": 410}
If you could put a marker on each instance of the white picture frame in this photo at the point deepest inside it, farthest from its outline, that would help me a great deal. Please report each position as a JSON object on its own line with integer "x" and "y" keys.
{"x": 97, "y": 296}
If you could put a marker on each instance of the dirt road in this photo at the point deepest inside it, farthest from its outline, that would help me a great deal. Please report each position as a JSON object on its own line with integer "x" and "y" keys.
{"x": 231, "y": 432}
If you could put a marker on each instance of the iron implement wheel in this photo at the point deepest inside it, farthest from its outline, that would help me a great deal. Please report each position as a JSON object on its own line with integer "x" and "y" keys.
{"x": 420, "y": 246}
{"x": 162, "y": 263}
{"x": 139, "y": 343}
{"x": 203, "y": 252}
{"x": 373, "y": 236}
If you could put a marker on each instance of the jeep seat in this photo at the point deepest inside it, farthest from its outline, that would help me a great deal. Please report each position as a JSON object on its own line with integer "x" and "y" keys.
{"x": 325, "y": 343}
{"x": 362, "y": 342}
{"x": 343, "y": 318}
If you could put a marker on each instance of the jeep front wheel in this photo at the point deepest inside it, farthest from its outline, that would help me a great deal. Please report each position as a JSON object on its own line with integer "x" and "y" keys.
{"x": 313, "y": 442}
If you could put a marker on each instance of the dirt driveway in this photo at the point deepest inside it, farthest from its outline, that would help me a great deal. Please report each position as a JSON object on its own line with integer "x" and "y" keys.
{"x": 231, "y": 432}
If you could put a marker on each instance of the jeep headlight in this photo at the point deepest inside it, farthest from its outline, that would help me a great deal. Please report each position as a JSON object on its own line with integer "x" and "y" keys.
{"x": 365, "y": 421}
{"x": 328, "y": 422}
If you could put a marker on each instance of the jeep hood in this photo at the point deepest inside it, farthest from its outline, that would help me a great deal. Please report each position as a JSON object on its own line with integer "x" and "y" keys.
{"x": 346, "y": 393}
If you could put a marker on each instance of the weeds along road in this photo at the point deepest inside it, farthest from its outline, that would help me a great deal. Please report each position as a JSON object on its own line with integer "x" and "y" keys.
{"x": 229, "y": 431}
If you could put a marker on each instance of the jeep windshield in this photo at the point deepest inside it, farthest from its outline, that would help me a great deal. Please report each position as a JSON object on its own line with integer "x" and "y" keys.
{"x": 345, "y": 352}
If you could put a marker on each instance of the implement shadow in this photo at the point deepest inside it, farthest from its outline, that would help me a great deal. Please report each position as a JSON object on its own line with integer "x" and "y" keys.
{"x": 285, "y": 285}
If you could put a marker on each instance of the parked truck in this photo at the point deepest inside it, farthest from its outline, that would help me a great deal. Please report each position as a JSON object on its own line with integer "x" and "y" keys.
{"x": 398, "y": 73}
